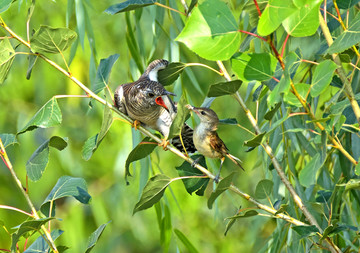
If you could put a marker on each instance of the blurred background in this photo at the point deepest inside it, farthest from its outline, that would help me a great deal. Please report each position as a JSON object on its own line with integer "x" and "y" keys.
{"x": 154, "y": 30}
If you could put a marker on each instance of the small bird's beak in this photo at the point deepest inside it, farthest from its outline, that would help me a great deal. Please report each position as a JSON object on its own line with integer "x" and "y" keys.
{"x": 161, "y": 102}
{"x": 190, "y": 107}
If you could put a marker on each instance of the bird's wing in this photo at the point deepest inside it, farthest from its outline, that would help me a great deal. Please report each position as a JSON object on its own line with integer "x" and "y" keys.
{"x": 119, "y": 97}
{"x": 217, "y": 144}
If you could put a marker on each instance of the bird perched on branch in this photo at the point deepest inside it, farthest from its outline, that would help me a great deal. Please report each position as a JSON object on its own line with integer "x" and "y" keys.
{"x": 146, "y": 101}
{"x": 206, "y": 139}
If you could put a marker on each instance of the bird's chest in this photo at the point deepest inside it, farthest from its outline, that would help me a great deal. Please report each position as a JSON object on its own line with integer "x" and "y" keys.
{"x": 202, "y": 142}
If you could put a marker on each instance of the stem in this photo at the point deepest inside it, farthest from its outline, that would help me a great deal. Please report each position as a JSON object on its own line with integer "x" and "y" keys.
{"x": 205, "y": 66}
{"x": 167, "y": 7}
{"x": 16, "y": 209}
{"x": 340, "y": 70}
{"x": 253, "y": 34}
{"x": 28, "y": 200}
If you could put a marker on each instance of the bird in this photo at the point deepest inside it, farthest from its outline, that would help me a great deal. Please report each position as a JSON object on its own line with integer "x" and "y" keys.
{"x": 206, "y": 139}
{"x": 147, "y": 102}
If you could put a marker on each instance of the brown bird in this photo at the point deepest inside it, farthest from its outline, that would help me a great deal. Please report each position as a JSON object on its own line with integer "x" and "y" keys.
{"x": 206, "y": 139}
{"x": 146, "y": 101}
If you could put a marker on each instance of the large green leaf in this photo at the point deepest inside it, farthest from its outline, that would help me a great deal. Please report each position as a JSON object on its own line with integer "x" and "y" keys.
{"x": 253, "y": 66}
{"x": 224, "y": 88}
{"x": 304, "y": 21}
{"x": 169, "y": 75}
{"x": 189, "y": 246}
{"x": 322, "y": 77}
{"x": 291, "y": 99}
{"x": 93, "y": 142}
{"x": 38, "y": 161}
{"x": 264, "y": 189}
{"x": 52, "y": 40}
{"x": 142, "y": 150}
{"x": 307, "y": 175}
{"x": 8, "y": 139}
{"x": 221, "y": 187}
{"x": 193, "y": 184}
{"x": 103, "y": 73}
{"x": 153, "y": 192}
{"x": 40, "y": 245}
{"x": 66, "y": 186}
{"x": 94, "y": 237}
{"x": 4, "y": 5}
{"x": 211, "y": 31}
{"x": 346, "y": 4}
{"x": 7, "y": 55}
{"x": 128, "y": 6}
{"x": 275, "y": 12}
{"x": 180, "y": 118}
{"x": 48, "y": 116}
{"x": 305, "y": 231}
{"x": 348, "y": 38}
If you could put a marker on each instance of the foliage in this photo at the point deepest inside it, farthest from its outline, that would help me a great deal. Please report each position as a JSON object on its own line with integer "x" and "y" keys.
{"x": 282, "y": 75}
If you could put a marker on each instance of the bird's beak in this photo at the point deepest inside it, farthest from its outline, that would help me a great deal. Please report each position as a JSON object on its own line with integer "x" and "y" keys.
{"x": 192, "y": 108}
{"x": 161, "y": 102}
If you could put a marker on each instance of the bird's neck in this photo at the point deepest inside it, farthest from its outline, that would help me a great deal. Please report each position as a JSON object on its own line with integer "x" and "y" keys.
{"x": 204, "y": 129}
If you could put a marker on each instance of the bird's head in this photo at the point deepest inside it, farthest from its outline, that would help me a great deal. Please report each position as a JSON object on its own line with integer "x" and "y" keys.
{"x": 206, "y": 116}
{"x": 158, "y": 96}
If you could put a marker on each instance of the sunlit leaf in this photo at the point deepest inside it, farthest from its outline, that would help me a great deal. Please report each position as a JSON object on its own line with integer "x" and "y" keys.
{"x": 193, "y": 184}
{"x": 209, "y": 34}
{"x": 4, "y": 5}
{"x": 180, "y": 118}
{"x": 222, "y": 186}
{"x": 67, "y": 186}
{"x": 103, "y": 73}
{"x": 94, "y": 237}
{"x": 7, "y": 55}
{"x": 275, "y": 12}
{"x": 291, "y": 99}
{"x": 348, "y": 38}
{"x": 322, "y": 77}
{"x": 253, "y": 66}
{"x": 38, "y": 161}
{"x": 224, "y": 88}
{"x": 305, "y": 20}
{"x": 52, "y": 40}
{"x": 128, "y": 6}
{"x": 48, "y": 116}
{"x": 264, "y": 189}
{"x": 8, "y": 139}
{"x": 153, "y": 192}
{"x": 189, "y": 246}
{"x": 169, "y": 75}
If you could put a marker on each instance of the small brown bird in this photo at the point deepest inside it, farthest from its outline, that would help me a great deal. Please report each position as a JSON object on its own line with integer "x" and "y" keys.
{"x": 146, "y": 101}
{"x": 206, "y": 139}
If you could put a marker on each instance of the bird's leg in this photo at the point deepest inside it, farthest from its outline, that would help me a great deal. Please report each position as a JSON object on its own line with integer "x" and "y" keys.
{"x": 136, "y": 124}
{"x": 195, "y": 161}
{"x": 164, "y": 143}
{"x": 216, "y": 179}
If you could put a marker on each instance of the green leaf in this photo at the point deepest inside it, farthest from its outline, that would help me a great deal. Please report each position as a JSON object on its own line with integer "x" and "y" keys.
{"x": 357, "y": 169}
{"x": 273, "y": 15}
{"x": 346, "y": 4}
{"x": 67, "y": 186}
{"x": 224, "y": 88}
{"x": 270, "y": 114}
{"x": 93, "y": 142}
{"x": 348, "y": 38}
{"x": 193, "y": 184}
{"x": 180, "y": 118}
{"x": 233, "y": 219}
{"x": 25, "y": 227}
{"x": 32, "y": 61}
{"x": 253, "y": 66}
{"x": 128, "y": 6}
{"x": 307, "y": 175}
{"x": 8, "y": 139}
{"x": 169, "y": 75}
{"x": 192, "y": 5}
{"x": 211, "y": 31}
{"x": 256, "y": 141}
{"x": 305, "y": 21}
{"x": 221, "y": 187}
{"x": 7, "y": 55}
{"x": 52, "y": 40}
{"x": 305, "y": 231}
{"x": 94, "y": 237}
{"x": 103, "y": 73}
{"x": 48, "y": 116}
{"x": 38, "y": 161}
{"x": 166, "y": 229}
{"x": 264, "y": 189}
{"x": 302, "y": 89}
{"x": 229, "y": 121}
{"x": 153, "y": 192}
{"x": 4, "y": 5}
{"x": 190, "y": 248}
{"x": 142, "y": 150}
{"x": 322, "y": 77}
{"x": 41, "y": 246}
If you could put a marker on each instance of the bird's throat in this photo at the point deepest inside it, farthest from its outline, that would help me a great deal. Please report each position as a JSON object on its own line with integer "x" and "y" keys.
{"x": 161, "y": 102}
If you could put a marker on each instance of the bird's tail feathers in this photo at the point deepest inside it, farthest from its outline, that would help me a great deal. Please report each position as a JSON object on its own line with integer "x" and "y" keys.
{"x": 236, "y": 160}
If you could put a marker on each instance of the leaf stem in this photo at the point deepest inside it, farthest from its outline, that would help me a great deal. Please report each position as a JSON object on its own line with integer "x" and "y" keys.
{"x": 16, "y": 209}
{"x": 205, "y": 66}
{"x": 168, "y": 7}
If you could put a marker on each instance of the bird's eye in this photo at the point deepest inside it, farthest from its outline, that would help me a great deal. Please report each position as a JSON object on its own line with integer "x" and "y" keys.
{"x": 151, "y": 95}
{"x": 203, "y": 113}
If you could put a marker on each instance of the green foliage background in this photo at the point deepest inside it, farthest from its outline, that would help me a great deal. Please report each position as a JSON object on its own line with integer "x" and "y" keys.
{"x": 139, "y": 37}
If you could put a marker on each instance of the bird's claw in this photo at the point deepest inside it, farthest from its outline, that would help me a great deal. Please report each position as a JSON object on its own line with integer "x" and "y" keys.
{"x": 217, "y": 178}
{"x": 193, "y": 164}
{"x": 136, "y": 124}
{"x": 164, "y": 143}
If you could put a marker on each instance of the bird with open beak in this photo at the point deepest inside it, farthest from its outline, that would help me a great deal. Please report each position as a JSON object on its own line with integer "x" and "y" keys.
{"x": 206, "y": 139}
{"x": 146, "y": 101}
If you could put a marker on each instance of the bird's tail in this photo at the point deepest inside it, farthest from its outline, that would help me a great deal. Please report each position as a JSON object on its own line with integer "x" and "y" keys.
{"x": 236, "y": 160}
